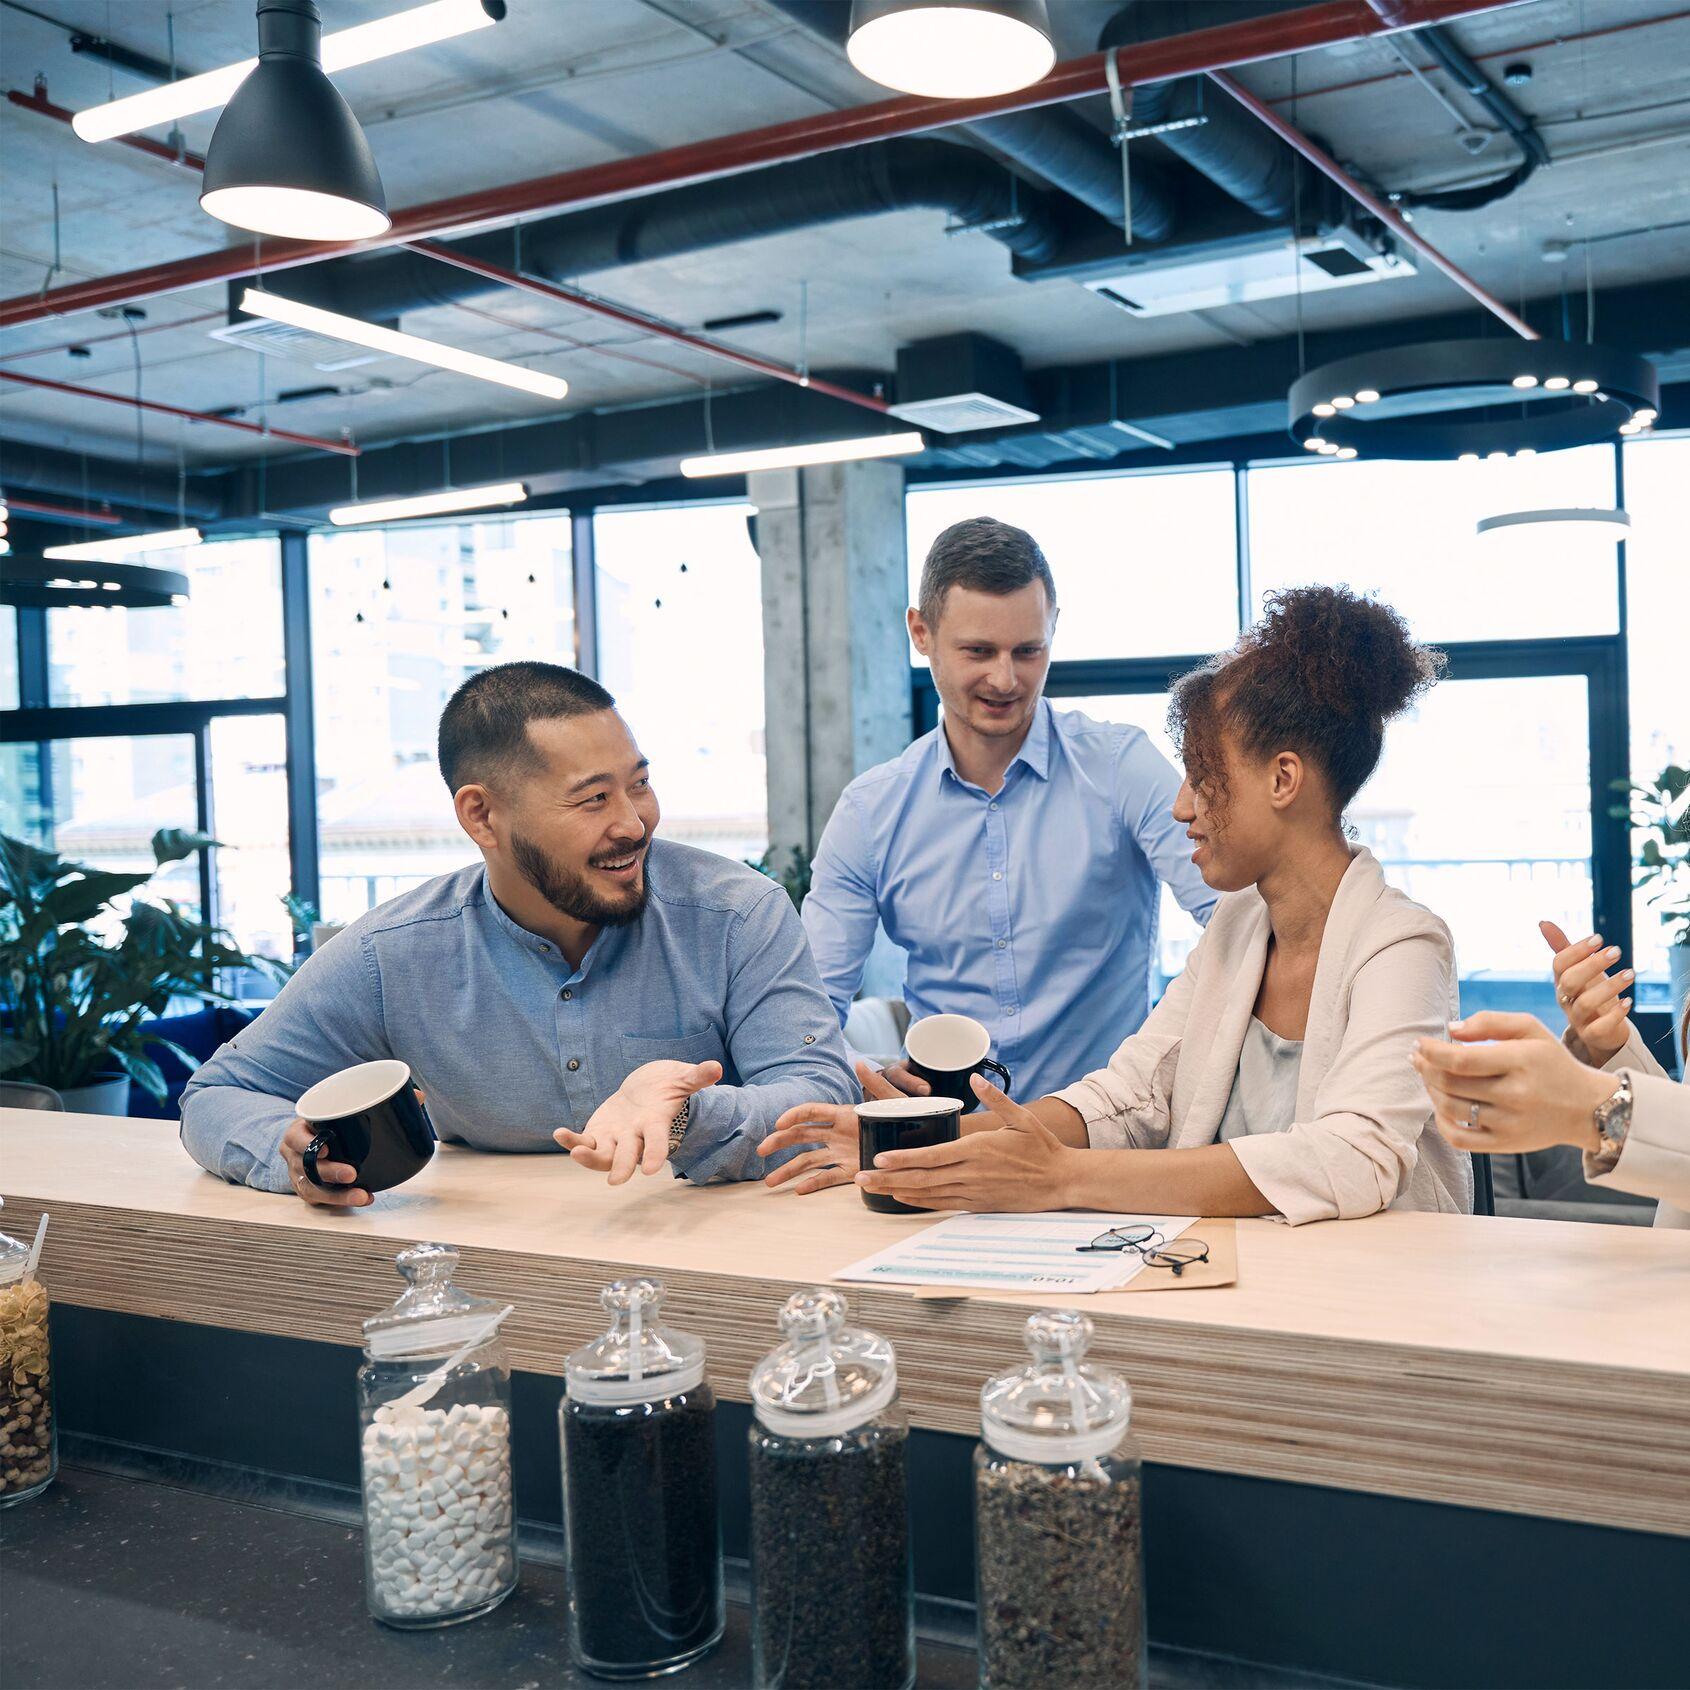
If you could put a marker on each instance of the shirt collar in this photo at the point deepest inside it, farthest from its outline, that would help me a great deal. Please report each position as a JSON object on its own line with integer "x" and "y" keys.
{"x": 1034, "y": 752}
{"x": 534, "y": 942}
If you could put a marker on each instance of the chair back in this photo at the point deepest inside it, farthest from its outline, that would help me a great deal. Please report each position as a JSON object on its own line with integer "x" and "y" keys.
{"x": 25, "y": 1094}
{"x": 1484, "y": 1188}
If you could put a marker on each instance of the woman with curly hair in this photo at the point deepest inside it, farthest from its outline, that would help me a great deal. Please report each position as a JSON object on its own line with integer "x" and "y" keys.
{"x": 1274, "y": 1076}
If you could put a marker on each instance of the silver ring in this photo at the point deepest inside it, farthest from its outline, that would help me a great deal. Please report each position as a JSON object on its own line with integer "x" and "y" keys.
{"x": 1472, "y": 1117}
{"x": 1566, "y": 997}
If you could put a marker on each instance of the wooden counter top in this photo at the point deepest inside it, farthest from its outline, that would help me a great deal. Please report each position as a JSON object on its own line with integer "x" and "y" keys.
{"x": 1535, "y": 1367}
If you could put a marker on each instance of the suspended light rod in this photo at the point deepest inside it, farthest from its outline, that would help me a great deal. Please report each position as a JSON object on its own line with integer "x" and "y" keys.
{"x": 802, "y": 457}
{"x": 430, "y": 504}
{"x": 121, "y": 546}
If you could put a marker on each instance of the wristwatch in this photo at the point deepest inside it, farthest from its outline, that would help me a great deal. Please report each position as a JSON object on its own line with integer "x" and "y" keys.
{"x": 678, "y": 1126}
{"x": 1613, "y": 1122}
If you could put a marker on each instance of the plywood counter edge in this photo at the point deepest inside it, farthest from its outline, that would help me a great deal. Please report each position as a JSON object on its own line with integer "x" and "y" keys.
{"x": 1217, "y": 1385}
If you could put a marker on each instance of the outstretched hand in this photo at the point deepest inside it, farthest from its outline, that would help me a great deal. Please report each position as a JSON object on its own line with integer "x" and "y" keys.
{"x": 631, "y": 1127}
{"x": 1589, "y": 995}
{"x": 829, "y": 1133}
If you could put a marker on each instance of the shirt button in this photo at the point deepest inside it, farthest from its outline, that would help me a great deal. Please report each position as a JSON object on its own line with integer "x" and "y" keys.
{"x": 993, "y": 805}
{"x": 574, "y": 1063}
{"x": 567, "y": 994}
{"x": 997, "y": 874}
{"x": 1010, "y": 1009}
{"x": 809, "y": 1038}
{"x": 1003, "y": 944}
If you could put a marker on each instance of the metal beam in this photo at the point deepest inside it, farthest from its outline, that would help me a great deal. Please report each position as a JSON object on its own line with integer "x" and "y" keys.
{"x": 1229, "y": 45}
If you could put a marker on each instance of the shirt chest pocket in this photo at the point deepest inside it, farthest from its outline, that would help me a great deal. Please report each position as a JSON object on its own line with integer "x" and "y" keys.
{"x": 641, "y": 1048}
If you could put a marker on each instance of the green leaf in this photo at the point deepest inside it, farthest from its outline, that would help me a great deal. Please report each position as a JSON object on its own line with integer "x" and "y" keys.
{"x": 1650, "y": 855}
{"x": 15, "y": 1052}
{"x": 172, "y": 844}
{"x": 80, "y": 899}
{"x": 1674, "y": 781}
{"x": 143, "y": 1071}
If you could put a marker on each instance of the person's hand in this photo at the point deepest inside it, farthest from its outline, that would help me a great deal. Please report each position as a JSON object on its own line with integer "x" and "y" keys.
{"x": 830, "y": 1131}
{"x": 631, "y": 1127}
{"x": 1589, "y": 994}
{"x": 1010, "y": 1162}
{"x": 295, "y": 1142}
{"x": 901, "y": 1076}
{"x": 1531, "y": 1091}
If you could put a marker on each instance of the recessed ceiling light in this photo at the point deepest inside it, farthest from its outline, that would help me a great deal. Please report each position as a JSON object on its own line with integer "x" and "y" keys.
{"x": 951, "y": 51}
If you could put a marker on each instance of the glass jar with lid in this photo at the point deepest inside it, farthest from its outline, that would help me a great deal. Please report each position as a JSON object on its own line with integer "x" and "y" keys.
{"x": 1058, "y": 1547}
{"x": 831, "y": 1594}
{"x": 435, "y": 1428}
{"x": 29, "y": 1455}
{"x": 638, "y": 1428}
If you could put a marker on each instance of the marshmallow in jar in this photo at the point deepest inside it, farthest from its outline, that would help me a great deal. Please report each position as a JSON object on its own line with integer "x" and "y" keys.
{"x": 435, "y": 1428}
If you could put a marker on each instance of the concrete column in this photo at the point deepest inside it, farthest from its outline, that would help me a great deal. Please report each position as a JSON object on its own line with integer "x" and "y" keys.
{"x": 835, "y": 652}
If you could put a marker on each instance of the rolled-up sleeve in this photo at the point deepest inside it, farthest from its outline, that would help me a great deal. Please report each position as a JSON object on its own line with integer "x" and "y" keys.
{"x": 1356, "y": 1153}
{"x": 1146, "y": 787}
{"x": 784, "y": 1044}
{"x": 238, "y": 1104}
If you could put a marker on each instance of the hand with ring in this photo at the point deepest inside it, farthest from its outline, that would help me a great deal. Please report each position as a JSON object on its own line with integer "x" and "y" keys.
{"x": 1504, "y": 1083}
{"x": 1590, "y": 996}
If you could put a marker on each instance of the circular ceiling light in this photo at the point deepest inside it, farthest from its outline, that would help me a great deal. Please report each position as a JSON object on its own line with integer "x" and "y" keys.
{"x": 288, "y": 157}
{"x": 1610, "y": 523}
{"x": 1479, "y": 398}
{"x": 41, "y": 583}
{"x": 951, "y": 49}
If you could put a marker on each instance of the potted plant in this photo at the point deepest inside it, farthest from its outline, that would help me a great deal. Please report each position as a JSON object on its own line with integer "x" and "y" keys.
{"x": 1659, "y": 813}
{"x": 79, "y": 979}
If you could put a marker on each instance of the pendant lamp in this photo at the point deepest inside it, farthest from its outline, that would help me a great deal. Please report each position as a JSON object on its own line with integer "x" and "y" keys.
{"x": 951, "y": 49}
{"x": 288, "y": 157}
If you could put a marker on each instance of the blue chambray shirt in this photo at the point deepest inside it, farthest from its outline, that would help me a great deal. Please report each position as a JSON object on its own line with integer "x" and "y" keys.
{"x": 1033, "y": 910}
{"x": 508, "y": 1042}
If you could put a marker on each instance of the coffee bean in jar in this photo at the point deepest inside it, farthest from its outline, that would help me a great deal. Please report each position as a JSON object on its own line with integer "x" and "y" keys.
{"x": 831, "y": 1598}
{"x": 28, "y": 1448}
{"x": 1057, "y": 1521}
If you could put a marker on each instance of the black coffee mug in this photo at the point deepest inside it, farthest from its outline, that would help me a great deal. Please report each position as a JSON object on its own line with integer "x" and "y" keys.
{"x": 902, "y": 1123}
{"x": 947, "y": 1051}
{"x": 369, "y": 1118}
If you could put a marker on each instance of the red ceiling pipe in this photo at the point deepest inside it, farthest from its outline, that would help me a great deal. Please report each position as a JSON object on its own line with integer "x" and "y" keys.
{"x": 648, "y": 325}
{"x": 1387, "y": 214}
{"x": 344, "y": 447}
{"x": 116, "y": 334}
{"x": 40, "y": 507}
{"x": 38, "y": 102}
{"x": 1245, "y": 42}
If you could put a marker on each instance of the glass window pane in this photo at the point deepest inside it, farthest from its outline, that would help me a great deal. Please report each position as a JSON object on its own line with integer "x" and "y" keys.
{"x": 399, "y": 619}
{"x": 1178, "y": 933}
{"x": 1657, "y": 476}
{"x": 1490, "y": 830}
{"x": 225, "y": 642}
{"x": 1406, "y": 532}
{"x": 676, "y": 590}
{"x": 8, "y": 658}
{"x": 1112, "y": 542}
{"x": 249, "y": 787}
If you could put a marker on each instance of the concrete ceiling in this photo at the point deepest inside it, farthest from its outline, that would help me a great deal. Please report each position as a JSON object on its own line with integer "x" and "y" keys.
{"x": 559, "y": 85}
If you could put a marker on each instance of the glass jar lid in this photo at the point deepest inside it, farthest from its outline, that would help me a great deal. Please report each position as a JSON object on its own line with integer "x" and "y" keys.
{"x": 14, "y": 1256}
{"x": 826, "y": 1377}
{"x": 638, "y": 1359}
{"x": 1058, "y": 1409}
{"x": 432, "y": 1314}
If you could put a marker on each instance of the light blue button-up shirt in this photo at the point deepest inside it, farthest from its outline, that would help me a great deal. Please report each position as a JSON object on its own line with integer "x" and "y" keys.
{"x": 1032, "y": 909}
{"x": 509, "y": 1042}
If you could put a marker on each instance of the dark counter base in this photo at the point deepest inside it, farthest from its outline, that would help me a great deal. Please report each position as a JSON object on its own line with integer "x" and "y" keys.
{"x": 1318, "y": 1581}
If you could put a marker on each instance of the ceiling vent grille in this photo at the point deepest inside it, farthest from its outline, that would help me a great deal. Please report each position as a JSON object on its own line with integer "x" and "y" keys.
{"x": 284, "y": 340}
{"x": 957, "y": 413}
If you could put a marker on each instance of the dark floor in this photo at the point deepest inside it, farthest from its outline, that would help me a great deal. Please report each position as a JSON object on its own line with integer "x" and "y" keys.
{"x": 108, "y": 1580}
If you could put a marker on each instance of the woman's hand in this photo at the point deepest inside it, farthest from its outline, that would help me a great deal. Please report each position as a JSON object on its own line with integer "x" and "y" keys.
{"x": 831, "y": 1131}
{"x": 1589, "y": 994}
{"x": 1020, "y": 1166}
{"x": 1531, "y": 1091}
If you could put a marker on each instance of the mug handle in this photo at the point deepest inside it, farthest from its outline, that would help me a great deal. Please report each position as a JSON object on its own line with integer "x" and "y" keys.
{"x": 309, "y": 1157}
{"x": 997, "y": 1068}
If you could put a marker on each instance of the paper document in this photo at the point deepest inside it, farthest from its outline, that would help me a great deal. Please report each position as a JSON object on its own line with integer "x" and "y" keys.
{"x": 1014, "y": 1253}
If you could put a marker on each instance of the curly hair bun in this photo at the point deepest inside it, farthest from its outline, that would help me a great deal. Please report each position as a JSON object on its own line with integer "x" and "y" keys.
{"x": 1351, "y": 655}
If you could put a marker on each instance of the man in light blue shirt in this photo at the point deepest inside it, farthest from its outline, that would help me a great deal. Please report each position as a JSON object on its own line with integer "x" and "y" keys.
{"x": 636, "y": 1001}
{"x": 1015, "y": 852}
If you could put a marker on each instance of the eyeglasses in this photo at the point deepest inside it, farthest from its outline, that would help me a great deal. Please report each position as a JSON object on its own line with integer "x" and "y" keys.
{"x": 1146, "y": 1241}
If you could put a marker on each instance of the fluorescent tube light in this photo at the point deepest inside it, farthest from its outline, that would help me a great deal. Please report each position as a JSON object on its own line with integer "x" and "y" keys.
{"x": 430, "y": 504}
{"x": 421, "y": 26}
{"x": 799, "y": 457}
{"x": 282, "y": 310}
{"x": 121, "y": 546}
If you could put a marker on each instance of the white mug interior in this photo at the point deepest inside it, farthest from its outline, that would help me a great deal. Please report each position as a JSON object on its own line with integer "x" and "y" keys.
{"x": 948, "y": 1044}
{"x": 908, "y": 1108}
{"x": 353, "y": 1090}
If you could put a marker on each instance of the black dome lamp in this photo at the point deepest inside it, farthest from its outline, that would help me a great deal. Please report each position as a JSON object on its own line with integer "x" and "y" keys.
{"x": 951, "y": 49}
{"x": 288, "y": 157}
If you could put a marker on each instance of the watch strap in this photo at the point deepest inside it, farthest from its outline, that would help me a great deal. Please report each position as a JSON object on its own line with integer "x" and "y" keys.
{"x": 1613, "y": 1123}
{"x": 678, "y": 1126}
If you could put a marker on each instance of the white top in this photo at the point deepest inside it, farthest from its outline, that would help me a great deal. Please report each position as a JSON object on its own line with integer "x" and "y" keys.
{"x": 1264, "y": 1096}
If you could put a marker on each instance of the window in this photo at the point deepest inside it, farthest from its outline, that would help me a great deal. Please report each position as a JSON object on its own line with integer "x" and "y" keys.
{"x": 8, "y": 658}
{"x": 680, "y": 620}
{"x": 1113, "y": 543}
{"x": 225, "y": 642}
{"x": 399, "y": 619}
{"x": 249, "y": 815}
{"x": 1406, "y": 531}
{"x": 1657, "y": 473}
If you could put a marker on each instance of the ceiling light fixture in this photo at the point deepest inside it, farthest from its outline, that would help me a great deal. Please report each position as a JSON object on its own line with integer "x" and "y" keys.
{"x": 803, "y": 457}
{"x": 1467, "y": 399}
{"x": 1522, "y": 533}
{"x": 280, "y": 309}
{"x": 35, "y": 583}
{"x": 288, "y": 157}
{"x": 421, "y": 26}
{"x": 119, "y": 546}
{"x": 951, "y": 49}
{"x": 430, "y": 504}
